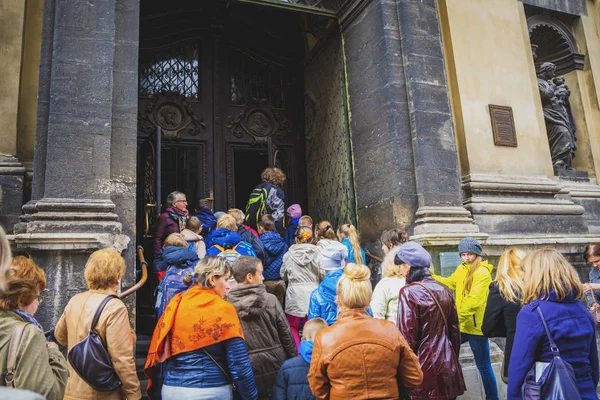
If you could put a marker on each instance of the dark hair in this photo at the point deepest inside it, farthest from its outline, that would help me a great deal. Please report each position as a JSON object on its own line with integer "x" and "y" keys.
{"x": 592, "y": 250}
{"x": 393, "y": 237}
{"x": 416, "y": 274}
{"x": 243, "y": 266}
{"x": 267, "y": 222}
{"x": 193, "y": 224}
{"x": 205, "y": 203}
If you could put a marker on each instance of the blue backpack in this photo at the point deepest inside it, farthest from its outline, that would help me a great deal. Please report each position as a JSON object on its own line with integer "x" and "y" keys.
{"x": 171, "y": 284}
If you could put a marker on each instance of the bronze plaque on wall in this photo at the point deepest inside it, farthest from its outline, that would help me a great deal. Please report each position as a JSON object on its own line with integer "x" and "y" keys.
{"x": 503, "y": 126}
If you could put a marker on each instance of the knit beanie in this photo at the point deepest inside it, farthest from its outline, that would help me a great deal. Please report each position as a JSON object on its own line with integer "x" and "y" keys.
{"x": 470, "y": 245}
{"x": 294, "y": 211}
{"x": 413, "y": 254}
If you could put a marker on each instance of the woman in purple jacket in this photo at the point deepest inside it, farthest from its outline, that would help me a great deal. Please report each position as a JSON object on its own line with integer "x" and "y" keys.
{"x": 552, "y": 284}
{"x": 172, "y": 220}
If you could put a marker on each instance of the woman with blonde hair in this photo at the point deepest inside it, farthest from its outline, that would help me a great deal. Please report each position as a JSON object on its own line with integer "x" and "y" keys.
{"x": 198, "y": 342}
{"x": 471, "y": 282}
{"x": 553, "y": 288}
{"x": 348, "y": 235}
{"x": 360, "y": 357}
{"x": 103, "y": 272}
{"x": 38, "y": 366}
{"x": 385, "y": 296}
{"x": 504, "y": 302}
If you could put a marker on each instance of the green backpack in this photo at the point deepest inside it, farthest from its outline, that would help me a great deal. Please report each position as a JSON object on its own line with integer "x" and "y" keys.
{"x": 257, "y": 205}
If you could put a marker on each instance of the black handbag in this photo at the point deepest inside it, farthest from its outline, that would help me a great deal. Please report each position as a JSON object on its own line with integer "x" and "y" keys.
{"x": 556, "y": 382}
{"x": 90, "y": 359}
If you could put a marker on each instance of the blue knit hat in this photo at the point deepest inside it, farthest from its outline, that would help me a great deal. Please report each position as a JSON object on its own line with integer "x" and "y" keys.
{"x": 470, "y": 245}
{"x": 413, "y": 254}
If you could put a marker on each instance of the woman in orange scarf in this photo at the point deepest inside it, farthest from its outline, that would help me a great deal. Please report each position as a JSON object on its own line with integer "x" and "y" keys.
{"x": 198, "y": 342}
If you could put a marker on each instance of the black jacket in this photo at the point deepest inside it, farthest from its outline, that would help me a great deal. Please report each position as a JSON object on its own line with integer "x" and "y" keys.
{"x": 500, "y": 320}
{"x": 292, "y": 381}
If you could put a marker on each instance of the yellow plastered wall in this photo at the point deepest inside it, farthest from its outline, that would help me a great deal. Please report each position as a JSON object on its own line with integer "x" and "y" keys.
{"x": 12, "y": 14}
{"x": 30, "y": 71}
{"x": 489, "y": 62}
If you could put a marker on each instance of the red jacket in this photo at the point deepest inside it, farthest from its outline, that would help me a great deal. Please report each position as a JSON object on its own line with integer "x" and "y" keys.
{"x": 422, "y": 324}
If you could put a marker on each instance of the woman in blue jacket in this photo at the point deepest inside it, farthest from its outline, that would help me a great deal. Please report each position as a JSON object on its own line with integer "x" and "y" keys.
{"x": 553, "y": 285}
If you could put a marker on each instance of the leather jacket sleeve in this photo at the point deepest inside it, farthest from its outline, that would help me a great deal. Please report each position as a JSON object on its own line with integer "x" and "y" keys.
{"x": 240, "y": 368}
{"x": 317, "y": 375}
{"x": 409, "y": 368}
{"x": 120, "y": 341}
{"x": 408, "y": 319}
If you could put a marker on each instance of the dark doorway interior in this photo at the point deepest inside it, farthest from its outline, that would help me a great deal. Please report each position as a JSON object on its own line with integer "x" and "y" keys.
{"x": 247, "y": 164}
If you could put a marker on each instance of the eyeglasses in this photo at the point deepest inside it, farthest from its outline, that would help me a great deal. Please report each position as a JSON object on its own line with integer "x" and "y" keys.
{"x": 41, "y": 298}
{"x": 181, "y": 201}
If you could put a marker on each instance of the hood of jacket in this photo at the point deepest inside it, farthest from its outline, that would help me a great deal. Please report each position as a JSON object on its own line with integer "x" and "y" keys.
{"x": 328, "y": 288}
{"x": 225, "y": 238}
{"x": 249, "y": 300}
{"x": 304, "y": 253}
{"x": 190, "y": 236}
{"x": 173, "y": 255}
{"x": 273, "y": 243}
{"x": 306, "y": 350}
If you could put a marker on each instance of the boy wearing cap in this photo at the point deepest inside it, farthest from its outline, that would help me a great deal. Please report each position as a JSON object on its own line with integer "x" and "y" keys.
{"x": 428, "y": 320}
{"x": 294, "y": 212}
{"x": 471, "y": 281}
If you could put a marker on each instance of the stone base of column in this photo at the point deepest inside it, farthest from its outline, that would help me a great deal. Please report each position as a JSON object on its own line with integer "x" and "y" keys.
{"x": 12, "y": 179}
{"x": 444, "y": 226}
{"x": 60, "y": 234}
{"x": 522, "y": 205}
{"x": 587, "y": 195}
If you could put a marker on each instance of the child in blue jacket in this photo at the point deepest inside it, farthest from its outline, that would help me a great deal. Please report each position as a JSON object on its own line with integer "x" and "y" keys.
{"x": 292, "y": 381}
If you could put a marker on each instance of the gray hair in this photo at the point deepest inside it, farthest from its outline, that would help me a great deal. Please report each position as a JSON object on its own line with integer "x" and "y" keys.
{"x": 208, "y": 267}
{"x": 5, "y": 259}
{"x": 172, "y": 197}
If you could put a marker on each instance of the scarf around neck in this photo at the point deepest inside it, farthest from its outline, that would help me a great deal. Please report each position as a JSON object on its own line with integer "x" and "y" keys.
{"x": 193, "y": 319}
{"x": 179, "y": 216}
{"x": 28, "y": 318}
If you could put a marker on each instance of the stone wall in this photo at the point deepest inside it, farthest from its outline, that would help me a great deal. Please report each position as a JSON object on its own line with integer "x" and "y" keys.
{"x": 328, "y": 142}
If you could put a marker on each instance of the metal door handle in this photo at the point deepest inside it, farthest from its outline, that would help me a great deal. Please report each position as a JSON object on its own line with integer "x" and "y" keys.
{"x": 147, "y": 208}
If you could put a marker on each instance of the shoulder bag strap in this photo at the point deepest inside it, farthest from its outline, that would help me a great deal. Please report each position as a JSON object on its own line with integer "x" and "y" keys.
{"x": 221, "y": 368}
{"x": 13, "y": 348}
{"x": 437, "y": 303}
{"x": 100, "y": 308}
{"x": 553, "y": 347}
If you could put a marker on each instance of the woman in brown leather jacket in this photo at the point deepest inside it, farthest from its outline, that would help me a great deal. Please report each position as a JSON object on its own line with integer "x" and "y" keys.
{"x": 360, "y": 357}
{"x": 428, "y": 320}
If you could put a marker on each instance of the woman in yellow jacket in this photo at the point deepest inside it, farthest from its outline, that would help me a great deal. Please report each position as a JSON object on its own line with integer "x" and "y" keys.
{"x": 471, "y": 281}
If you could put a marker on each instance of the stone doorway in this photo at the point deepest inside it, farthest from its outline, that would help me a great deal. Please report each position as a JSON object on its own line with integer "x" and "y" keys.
{"x": 220, "y": 98}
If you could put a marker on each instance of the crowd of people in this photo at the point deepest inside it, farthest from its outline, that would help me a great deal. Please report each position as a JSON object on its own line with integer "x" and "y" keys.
{"x": 248, "y": 308}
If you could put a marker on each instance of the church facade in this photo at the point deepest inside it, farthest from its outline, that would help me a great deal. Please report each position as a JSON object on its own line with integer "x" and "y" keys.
{"x": 434, "y": 116}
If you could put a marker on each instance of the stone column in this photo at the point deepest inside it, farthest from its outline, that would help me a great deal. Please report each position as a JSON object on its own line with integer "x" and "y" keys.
{"x": 403, "y": 141}
{"x": 440, "y": 216}
{"x": 12, "y": 172}
{"x": 85, "y": 143}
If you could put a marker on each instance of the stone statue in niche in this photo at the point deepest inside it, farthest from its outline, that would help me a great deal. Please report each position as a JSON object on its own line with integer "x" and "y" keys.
{"x": 560, "y": 124}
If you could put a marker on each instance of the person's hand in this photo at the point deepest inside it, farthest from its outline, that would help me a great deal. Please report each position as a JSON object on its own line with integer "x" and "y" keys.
{"x": 587, "y": 287}
{"x": 51, "y": 345}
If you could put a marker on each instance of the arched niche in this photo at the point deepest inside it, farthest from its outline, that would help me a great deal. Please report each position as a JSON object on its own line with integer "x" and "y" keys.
{"x": 555, "y": 43}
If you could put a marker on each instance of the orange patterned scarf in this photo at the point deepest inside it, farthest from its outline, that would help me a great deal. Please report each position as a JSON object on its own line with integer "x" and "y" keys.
{"x": 194, "y": 319}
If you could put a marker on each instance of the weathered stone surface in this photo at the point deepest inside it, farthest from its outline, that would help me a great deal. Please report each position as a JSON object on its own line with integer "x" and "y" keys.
{"x": 576, "y": 7}
{"x": 12, "y": 177}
